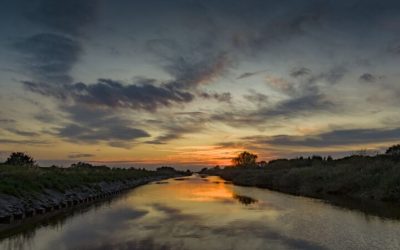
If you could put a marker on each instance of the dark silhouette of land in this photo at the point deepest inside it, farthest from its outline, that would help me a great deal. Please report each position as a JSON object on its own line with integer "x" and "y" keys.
{"x": 28, "y": 190}
{"x": 358, "y": 176}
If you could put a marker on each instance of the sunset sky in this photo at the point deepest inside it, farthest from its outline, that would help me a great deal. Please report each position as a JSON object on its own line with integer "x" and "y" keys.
{"x": 194, "y": 82}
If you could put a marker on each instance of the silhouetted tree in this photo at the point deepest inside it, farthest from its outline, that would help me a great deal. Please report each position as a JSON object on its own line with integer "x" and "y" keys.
{"x": 245, "y": 159}
{"x": 394, "y": 150}
{"x": 20, "y": 159}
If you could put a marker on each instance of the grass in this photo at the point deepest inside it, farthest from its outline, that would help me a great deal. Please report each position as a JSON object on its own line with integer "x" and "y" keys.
{"x": 361, "y": 177}
{"x": 23, "y": 181}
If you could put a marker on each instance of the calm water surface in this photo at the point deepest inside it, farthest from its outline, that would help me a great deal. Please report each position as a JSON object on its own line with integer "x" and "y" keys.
{"x": 207, "y": 213}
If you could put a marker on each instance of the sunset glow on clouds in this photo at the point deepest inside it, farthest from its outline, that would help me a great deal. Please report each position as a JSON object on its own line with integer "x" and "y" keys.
{"x": 192, "y": 83}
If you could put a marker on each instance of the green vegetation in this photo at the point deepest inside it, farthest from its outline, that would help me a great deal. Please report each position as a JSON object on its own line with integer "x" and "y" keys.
{"x": 19, "y": 178}
{"x": 358, "y": 176}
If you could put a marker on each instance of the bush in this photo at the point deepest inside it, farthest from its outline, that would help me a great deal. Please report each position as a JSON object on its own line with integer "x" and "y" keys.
{"x": 20, "y": 159}
{"x": 393, "y": 150}
{"x": 245, "y": 159}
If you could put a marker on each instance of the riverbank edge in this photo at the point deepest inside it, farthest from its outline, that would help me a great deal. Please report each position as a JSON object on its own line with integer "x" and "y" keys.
{"x": 379, "y": 208}
{"x": 16, "y": 212}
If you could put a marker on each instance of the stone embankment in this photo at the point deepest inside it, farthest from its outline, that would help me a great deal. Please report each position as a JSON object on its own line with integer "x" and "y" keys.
{"x": 13, "y": 209}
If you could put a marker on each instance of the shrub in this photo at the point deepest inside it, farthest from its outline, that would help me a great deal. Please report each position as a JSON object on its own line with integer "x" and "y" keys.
{"x": 20, "y": 159}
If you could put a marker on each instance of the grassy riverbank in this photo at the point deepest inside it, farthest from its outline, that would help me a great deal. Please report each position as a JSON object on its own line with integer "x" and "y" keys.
{"x": 22, "y": 181}
{"x": 360, "y": 177}
{"x": 29, "y": 193}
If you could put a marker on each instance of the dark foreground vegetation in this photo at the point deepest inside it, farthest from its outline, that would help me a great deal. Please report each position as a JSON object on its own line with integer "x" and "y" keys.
{"x": 27, "y": 189}
{"x": 358, "y": 176}
{"x": 20, "y": 176}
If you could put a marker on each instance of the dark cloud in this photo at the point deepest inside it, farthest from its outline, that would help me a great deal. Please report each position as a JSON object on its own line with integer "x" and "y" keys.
{"x": 259, "y": 99}
{"x": 191, "y": 64}
{"x": 50, "y": 54}
{"x": 22, "y": 133}
{"x": 221, "y": 97}
{"x": 246, "y": 75}
{"x": 299, "y": 106}
{"x": 267, "y": 114}
{"x": 91, "y": 125}
{"x": 49, "y": 57}
{"x": 179, "y": 125}
{"x": 304, "y": 97}
{"x": 239, "y": 118}
{"x": 332, "y": 76}
{"x": 190, "y": 72}
{"x": 394, "y": 49}
{"x": 367, "y": 77}
{"x": 64, "y": 16}
{"x": 279, "y": 24}
{"x": 46, "y": 117}
{"x": 332, "y": 138}
{"x": 299, "y": 72}
{"x": 114, "y": 132}
{"x": 164, "y": 139}
{"x": 5, "y": 120}
{"x": 306, "y": 83}
{"x": 79, "y": 155}
{"x": 24, "y": 142}
{"x": 45, "y": 89}
{"x": 143, "y": 96}
{"x": 146, "y": 94}
{"x": 249, "y": 74}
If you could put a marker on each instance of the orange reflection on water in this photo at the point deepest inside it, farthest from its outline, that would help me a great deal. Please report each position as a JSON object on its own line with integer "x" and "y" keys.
{"x": 195, "y": 190}
{"x": 211, "y": 193}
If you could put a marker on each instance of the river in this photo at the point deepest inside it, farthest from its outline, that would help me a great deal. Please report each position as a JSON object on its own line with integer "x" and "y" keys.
{"x": 208, "y": 213}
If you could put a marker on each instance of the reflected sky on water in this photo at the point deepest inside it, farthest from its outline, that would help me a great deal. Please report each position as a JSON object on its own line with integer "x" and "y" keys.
{"x": 207, "y": 213}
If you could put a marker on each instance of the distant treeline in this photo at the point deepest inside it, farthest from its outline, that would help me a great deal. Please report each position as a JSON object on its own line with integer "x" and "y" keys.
{"x": 357, "y": 176}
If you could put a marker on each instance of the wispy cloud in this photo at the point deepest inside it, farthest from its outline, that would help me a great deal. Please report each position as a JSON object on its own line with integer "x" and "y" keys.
{"x": 331, "y": 138}
{"x": 250, "y": 74}
{"x": 79, "y": 155}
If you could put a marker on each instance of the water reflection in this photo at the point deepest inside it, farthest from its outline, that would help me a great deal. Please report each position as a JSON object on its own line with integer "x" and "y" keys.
{"x": 161, "y": 182}
{"x": 246, "y": 200}
{"x": 207, "y": 213}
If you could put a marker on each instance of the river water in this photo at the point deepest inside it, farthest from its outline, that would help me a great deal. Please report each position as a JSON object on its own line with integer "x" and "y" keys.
{"x": 208, "y": 213}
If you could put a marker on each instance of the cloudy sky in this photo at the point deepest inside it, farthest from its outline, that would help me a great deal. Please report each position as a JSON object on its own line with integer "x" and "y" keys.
{"x": 193, "y": 82}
